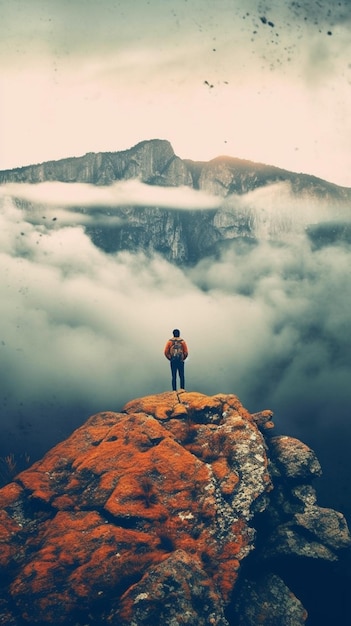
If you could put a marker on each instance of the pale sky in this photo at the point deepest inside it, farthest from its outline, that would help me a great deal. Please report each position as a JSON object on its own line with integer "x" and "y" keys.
{"x": 266, "y": 81}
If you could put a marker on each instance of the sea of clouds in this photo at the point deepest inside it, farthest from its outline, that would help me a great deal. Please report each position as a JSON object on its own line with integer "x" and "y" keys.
{"x": 83, "y": 331}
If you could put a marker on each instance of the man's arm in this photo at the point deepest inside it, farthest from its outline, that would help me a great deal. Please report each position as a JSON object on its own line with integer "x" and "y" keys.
{"x": 185, "y": 350}
{"x": 167, "y": 350}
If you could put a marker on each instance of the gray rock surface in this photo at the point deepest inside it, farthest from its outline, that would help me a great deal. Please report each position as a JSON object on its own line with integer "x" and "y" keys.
{"x": 268, "y": 601}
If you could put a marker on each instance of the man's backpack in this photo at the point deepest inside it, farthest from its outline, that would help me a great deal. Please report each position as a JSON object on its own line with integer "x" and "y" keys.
{"x": 176, "y": 350}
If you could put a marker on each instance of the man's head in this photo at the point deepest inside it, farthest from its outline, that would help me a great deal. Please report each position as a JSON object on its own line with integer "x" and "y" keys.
{"x": 176, "y": 332}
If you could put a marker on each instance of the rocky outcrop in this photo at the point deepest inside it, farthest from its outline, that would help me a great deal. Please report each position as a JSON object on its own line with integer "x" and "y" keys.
{"x": 149, "y": 515}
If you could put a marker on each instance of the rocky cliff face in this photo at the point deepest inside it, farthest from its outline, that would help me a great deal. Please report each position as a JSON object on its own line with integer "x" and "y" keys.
{"x": 152, "y": 162}
{"x": 182, "y": 236}
{"x": 155, "y": 163}
{"x": 180, "y": 509}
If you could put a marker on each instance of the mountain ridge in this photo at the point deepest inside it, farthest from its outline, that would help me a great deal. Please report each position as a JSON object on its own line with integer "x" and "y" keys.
{"x": 45, "y": 170}
{"x": 185, "y": 237}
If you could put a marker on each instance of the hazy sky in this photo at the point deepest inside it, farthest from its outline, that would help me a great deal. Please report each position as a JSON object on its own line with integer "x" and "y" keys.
{"x": 263, "y": 80}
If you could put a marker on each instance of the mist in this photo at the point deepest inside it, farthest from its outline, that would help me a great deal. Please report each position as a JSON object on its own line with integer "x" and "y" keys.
{"x": 125, "y": 192}
{"x": 83, "y": 331}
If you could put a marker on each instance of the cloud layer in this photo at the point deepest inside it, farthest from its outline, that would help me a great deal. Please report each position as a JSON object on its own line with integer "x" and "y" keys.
{"x": 122, "y": 193}
{"x": 82, "y": 331}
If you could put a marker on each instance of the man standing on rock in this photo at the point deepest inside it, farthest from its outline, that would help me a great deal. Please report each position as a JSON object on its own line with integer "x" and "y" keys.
{"x": 176, "y": 351}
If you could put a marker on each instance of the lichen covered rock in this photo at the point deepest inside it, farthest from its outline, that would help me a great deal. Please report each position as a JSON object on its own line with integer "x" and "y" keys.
{"x": 147, "y": 515}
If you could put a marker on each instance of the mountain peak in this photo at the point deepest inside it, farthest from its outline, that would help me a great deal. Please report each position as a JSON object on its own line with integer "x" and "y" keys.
{"x": 154, "y": 162}
{"x": 185, "y": 236}
{"x": 148, "y": 514}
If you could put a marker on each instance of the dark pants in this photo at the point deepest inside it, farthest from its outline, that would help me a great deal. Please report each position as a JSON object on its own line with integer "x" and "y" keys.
{"x": 177, "y": 365}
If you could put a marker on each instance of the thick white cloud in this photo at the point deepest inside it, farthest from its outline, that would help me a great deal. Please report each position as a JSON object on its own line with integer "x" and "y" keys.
{"x": 83, "y": 331}
{"x": 122, "y": 193}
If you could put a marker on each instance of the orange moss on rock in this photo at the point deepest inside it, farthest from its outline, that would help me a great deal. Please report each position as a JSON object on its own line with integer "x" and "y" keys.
{"x": 263, "y": 417}
{"x": 187, "y": 404}
{"x": 199, "y": 403}
{"x": 268, "y": 425}
{"x": 226, "y": 578}
{"x": 79, "y": 553}
{"x": 220, "y": 468}
{"x": 171, "y": 469}
{"x": 127, "y": 492}
{"x": 9, "y": 494}
{"x": 227, "y": 478}
{"x": 161, "y": 406}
